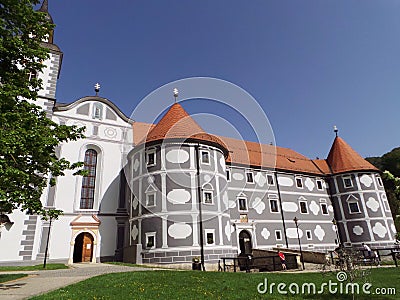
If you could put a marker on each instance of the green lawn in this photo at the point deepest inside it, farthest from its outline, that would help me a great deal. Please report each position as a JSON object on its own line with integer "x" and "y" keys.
{"x": 8, "y": 277}
{"x": 209, "y": 285}
{"x": 32, "y": 268}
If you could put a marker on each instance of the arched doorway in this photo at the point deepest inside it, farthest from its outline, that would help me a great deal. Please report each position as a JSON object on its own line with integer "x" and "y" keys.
{"x": 245, "y": 242}
{"x": 83, "y": 248}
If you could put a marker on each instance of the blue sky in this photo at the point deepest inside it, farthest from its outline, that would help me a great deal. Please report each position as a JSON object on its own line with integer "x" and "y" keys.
{"x": 309, "y": 64}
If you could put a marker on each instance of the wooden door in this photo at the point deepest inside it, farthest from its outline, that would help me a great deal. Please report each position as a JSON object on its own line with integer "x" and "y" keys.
{"x": 87, "y": 247}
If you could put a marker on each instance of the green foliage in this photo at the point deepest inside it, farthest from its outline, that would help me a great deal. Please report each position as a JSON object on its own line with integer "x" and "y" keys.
{"x": 389, "y": 164}
{"x": 28, "y": 139}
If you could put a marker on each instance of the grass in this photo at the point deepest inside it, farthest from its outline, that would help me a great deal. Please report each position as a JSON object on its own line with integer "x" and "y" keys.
{"x": 209, "y": 285}
{"x": 33, "y": 268}
{"x": 9, "y": 277}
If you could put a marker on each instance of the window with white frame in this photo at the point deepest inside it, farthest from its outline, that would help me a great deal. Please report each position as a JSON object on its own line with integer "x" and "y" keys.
{"x": 353, "y": 206}
{"x": 347, "y": 182}
{"x": 228, "y": 175}
{"x": 299, "y": 182}
{"x": 249, "y": 177}
{"x": 88, "y": 188}
{"x": 151, "y": 199}
{"x": 273, "y": 203}
{"x": 278, "y": 235}
{"x": 210, "y": 236}
{"x": 320, "y": 185}
{"x": 97, "y": 111}
{"x": 385, "y": 203}
{"x": 303, "y": 207}
{"x": 270, "y": 179}
{"x": 207, "y": 197}
{"x": 150, "y": 240}
{"x": 379, "y": 180}
{"x": 205, "y": 157}
{"x": 242, "y": 204}
{"x": 324, "y": 207}
{"x": 151, "y": 157}
{"x": 308, "y": 235}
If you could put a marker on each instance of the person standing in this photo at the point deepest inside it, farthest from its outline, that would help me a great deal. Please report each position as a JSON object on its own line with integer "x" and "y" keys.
{"x": 283, "y": 261}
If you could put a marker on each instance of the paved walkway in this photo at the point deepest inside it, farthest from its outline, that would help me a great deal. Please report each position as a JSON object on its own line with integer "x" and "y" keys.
{"x": 40, "y": 282}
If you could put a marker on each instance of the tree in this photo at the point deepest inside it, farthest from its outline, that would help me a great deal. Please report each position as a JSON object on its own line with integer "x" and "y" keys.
{"x": 28, "y": 139}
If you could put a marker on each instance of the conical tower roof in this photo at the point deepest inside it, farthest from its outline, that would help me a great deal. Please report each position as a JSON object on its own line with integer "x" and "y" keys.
{"x": 342, "y": 158}
{"x": 177, "y": 124}
{"x": 45, "y": 8}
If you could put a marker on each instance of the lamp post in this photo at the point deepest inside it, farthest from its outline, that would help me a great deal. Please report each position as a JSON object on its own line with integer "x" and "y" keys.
{"x": 298, "y": 238}
{"x": 337, "y": 232}
{"x": 47, "y": 245}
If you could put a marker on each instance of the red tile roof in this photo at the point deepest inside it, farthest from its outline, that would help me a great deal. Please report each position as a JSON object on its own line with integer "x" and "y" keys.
{"x": 268, "y": 156}
{"x": 178, "y": 124}
{"x": 140, "y": 130}
{"x": 342, "y": 158}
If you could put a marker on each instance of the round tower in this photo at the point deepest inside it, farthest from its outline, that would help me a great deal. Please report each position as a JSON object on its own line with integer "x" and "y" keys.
{"x": 361, "y": 207}
{"x": 178, "y": 181}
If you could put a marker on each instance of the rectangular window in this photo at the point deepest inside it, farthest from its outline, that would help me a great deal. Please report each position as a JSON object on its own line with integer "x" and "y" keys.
{"x": 150, "y": 240}
{"x": 353, "y": 207}
{"x": 208, "y": 198}
{"x": 151, "y": 158}
{"x": 150, "y": 200}
{"x": 324, "y": 208}
{"x": 308, "y": 234}
{"x": 249, "y": 177}
{"x": 97, "y": 111}
{"x": 228, "y": 175}
{"x": 210, "y": 236}
{"x": 278, "y": 235}
{"x": 379, "y": 181}
{"x": 242, "y": 204}
{"x": 270, "y": 179}
{"x": 320, "y": 185}
{"x": 273, "y": 203}
{"x": 299, "y": 182}
{"x": 303, "y": 207}
{"x": 348, "y": 183}
{"x": 386, "y": 205}
{"x": 205, "y": 157}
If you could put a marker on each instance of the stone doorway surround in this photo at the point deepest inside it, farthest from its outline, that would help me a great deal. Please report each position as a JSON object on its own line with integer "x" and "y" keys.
{"x": 84, "y": 224}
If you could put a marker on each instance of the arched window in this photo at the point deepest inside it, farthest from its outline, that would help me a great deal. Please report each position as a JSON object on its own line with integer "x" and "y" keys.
{"x": 89, "y": 181}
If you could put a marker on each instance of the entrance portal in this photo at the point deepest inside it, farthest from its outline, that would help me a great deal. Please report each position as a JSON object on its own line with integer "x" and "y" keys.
{"x": 83, "y": 249}
{"x": 245, "y": 242}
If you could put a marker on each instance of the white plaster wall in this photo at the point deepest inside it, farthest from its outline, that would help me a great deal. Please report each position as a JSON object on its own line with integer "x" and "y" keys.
{"x": 60, "y": 238}
{"x": 108, "y": 236}
{"x": 10, "y": 241}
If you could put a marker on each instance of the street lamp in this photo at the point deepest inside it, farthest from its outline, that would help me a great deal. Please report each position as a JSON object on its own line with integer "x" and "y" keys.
{"x": 337, "y": 232}
{"x": 298, "y": 238}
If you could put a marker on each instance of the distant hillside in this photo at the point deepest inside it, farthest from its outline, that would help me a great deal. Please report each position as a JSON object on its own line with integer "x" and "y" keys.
{"x": 389, "y": 161}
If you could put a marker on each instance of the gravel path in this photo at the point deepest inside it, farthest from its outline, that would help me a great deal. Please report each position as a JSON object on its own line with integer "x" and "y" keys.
{"x": 40, "y": 282}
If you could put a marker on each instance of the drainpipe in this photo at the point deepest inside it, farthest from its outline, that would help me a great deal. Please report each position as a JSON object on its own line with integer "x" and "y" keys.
{"x": 200, "y": 212}
{"x": 280, "y": 205}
